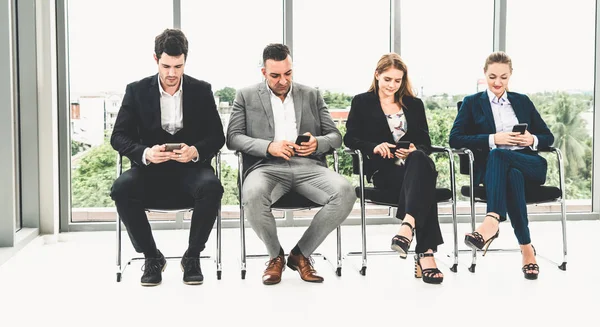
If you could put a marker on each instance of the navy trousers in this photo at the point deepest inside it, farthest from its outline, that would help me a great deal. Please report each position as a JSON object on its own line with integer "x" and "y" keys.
{"x": 507, "y": 175}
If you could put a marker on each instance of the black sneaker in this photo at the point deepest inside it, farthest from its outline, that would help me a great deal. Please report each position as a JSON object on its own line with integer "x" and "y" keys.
{"x": 153, "y": 268}
{"x": 192, "y": 273}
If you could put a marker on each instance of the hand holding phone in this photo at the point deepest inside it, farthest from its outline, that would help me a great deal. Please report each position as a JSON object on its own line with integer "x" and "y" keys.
{"x": 307, "y": 144}
{"x": 169, "y": 147}
{"x": 520, "y": 128}
{"x": 302, "y": 138}
{"x": 402, "y": 145}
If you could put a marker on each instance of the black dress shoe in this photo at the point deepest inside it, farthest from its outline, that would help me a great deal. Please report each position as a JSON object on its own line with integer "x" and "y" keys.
{"x": 153, "y": 268}
{"x": 192, "y": 273}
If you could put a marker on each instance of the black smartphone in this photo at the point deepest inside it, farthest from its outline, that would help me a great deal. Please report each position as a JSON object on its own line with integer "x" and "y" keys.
{"x": 403, "y": 145}
{"x": 302, "y": 138}
{"x": 521, "y": 128}
{"x": 169, "y": 147}
{"x": 400, "y": 145}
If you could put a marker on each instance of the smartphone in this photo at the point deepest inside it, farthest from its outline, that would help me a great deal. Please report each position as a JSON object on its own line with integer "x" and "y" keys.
{"x": 302, "y": 138}
{"x": 400, "y": 145}
{"x": 403, "y": 145}
{"x": 169, "y": 147}
{"x": 521, "y": 128}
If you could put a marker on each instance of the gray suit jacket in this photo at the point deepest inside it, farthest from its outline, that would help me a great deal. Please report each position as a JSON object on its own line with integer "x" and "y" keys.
{"x": 252, "y": 128}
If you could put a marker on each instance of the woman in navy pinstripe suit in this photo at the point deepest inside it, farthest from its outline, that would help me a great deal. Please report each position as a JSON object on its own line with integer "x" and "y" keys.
{"x": 505, "y": 161}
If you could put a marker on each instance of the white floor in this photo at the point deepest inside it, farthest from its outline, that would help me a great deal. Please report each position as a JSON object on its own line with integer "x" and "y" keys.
{"x": 72, "y": 283}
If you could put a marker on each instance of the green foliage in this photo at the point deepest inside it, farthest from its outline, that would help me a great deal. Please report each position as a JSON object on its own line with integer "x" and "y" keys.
{"x": 344, "y": 159}
{"x": 569, "y": 129}
{"x": 93, "y": 177}
{"x": 77, "y": 147}
{"x": 226, "y": 94}
{"x": 442, "y": 101}
{"x": 337, "y": 100}
{"x": 229, "y": 180}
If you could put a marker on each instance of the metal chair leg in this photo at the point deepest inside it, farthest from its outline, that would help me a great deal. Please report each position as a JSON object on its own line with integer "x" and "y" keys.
{"x": 338, "y": 270}
{"x": 119, "y": 270}
{"x": 219, "y": 263}
{"x": 472, "y": 202}
{"x": 563, "y": 265}
{"x": 563, "y": 208}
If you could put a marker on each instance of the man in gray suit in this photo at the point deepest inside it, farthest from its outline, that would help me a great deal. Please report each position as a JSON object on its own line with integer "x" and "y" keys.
{"x": 265, "y": 122}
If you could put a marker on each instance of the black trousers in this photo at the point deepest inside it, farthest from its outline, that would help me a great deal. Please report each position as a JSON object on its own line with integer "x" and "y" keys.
{"x": 139, "y": 188}
{"x": 415, "y": 182}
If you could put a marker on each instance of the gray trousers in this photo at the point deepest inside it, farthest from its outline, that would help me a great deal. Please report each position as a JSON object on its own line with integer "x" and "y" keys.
{"x": 269, "y": 182}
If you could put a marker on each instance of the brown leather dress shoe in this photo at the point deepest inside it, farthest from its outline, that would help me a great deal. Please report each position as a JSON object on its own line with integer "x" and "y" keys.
{"x": 304, "y": 267}
{"x": 274, "y": 269}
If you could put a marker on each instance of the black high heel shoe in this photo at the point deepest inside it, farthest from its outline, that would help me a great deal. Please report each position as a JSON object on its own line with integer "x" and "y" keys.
{"x": 476, "y": 241}
{"x": 429, "y": 273}
{"x": 401, "y": 244}
{"x": 531, "y": 266}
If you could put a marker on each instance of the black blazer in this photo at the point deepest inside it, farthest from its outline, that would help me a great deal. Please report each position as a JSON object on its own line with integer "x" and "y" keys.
{"x": 475, "y": 122}
{"x": 367, "y": 127}
{"x": 138, "y": 124}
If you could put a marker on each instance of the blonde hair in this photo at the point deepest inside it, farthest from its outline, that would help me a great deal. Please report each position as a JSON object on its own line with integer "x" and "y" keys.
{"x": 498, "y": 57}
{"x": 387, "y": 61}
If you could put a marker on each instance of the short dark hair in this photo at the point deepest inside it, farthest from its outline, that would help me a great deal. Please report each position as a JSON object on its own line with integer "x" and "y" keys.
{"x": 275, "y": 51}
{"x": 172, "y": 42}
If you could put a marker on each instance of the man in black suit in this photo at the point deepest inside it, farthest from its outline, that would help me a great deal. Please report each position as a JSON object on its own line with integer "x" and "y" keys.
{"x": 168, "y": 107}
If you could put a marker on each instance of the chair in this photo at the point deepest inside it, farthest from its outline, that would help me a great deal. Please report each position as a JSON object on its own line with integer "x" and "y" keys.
{"x": 389, "y": 198}
{"x": 290, "y": 201}
{"x": 178, "y": 204}
{"x": 533, "y": 195}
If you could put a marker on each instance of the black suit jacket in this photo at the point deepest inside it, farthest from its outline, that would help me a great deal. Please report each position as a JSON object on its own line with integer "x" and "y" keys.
{"x": 475, "y": 122}
{"x": 367, "y": 127}
{"x": 138, "y": 124}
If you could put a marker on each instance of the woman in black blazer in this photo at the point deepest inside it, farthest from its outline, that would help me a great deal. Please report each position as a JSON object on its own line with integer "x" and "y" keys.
{"x": 379, "y": 121}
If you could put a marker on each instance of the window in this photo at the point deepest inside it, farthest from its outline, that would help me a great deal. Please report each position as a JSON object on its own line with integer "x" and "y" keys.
{"x": 444, "y": 45}
{"x": 111, "y": 44}
{"x": 342, "y": 57}
{"x": 553, "y": 63}
{"x": 227, "y": 39}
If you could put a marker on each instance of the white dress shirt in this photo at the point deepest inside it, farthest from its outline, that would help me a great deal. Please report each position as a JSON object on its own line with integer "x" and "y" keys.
{"x": 284, "y": 116}
{"x": 505, "y": 118}
{"x": 171, "y": 113}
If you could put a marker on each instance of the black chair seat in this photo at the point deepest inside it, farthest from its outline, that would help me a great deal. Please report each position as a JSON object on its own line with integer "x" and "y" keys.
{"x": 390, "y": 198}
{"x": 293, "y": 200}
{"x": 533, "y": 194}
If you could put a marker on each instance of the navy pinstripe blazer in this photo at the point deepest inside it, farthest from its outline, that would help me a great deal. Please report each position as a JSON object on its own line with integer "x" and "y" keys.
{"x": 475, "y": 122}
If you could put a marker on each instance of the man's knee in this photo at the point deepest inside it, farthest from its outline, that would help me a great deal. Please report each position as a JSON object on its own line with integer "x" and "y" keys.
{"x": 126, "y": 186}
{"x": 255, "y": 191}
{"x": 344, "y": 192}
{"x": 209, "y": 187}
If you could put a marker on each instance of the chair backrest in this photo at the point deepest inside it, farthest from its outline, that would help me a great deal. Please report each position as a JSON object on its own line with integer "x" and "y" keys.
{"x": 463, "y": 159}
